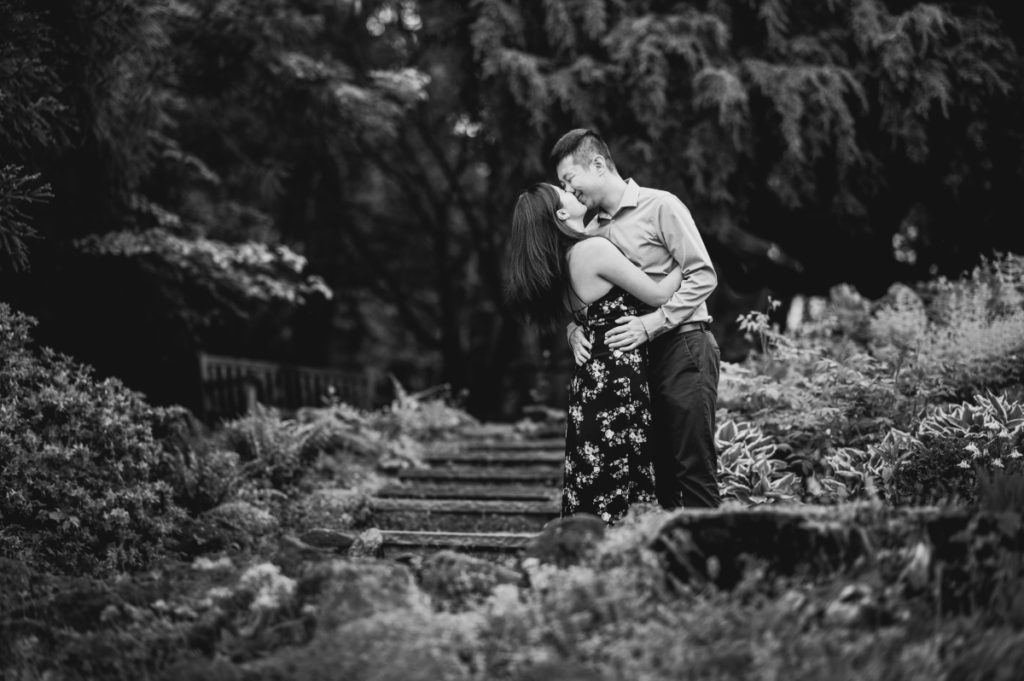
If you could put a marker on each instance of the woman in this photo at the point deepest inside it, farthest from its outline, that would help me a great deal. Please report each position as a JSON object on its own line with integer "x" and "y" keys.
{"x": 555, "y": 271}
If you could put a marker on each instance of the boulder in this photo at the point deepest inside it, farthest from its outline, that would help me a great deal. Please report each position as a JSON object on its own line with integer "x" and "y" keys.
{"x": 334, "y": 508}
{"x": 235, "y": 523}
{"x": 327, "y": 538}
{"x": 347, "y": 590}
{"x": 400, "y": 645}
{"x": 457, "y": 581}
{"x": 567, "y": 541}
{"x": 715, "y": 545}
{"x": 369, "y": 544}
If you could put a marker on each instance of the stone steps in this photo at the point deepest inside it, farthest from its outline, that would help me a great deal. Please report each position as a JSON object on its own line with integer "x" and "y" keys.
{"x": 459, "y": 541}
{"x": 492, "y": 457}
{"x": 462, "y": 515}
{"x": 508, "y": 492}
{"x": 468, "y": 506}
{"x": 491, "y": 444}
{"x": 485, "y": 495}
{"x": 484, "y": 474}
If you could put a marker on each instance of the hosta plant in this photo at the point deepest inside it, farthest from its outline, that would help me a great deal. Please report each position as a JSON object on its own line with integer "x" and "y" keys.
{"x": 941, "y": 458}
{"x": 747, "y": 468}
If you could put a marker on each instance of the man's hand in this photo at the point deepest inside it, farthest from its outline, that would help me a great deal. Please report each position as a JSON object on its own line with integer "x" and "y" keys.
{"x": 628, "y": 335}
{"x": 580, "y": 345}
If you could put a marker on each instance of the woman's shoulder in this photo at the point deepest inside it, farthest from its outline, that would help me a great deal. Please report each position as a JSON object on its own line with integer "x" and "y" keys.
{"x": 593, "y": 246}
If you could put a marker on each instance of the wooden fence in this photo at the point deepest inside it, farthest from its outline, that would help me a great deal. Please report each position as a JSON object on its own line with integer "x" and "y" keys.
{"x": 232, "y": 385}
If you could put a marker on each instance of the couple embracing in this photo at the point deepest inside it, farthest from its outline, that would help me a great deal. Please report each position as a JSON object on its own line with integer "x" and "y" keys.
{"x": 631, "y": 289}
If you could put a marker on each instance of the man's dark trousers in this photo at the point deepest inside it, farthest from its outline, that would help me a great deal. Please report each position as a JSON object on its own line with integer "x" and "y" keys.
{"x": 683, "y": 375}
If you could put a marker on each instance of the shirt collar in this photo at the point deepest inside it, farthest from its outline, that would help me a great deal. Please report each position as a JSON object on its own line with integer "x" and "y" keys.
{"x": 630, "y": 199}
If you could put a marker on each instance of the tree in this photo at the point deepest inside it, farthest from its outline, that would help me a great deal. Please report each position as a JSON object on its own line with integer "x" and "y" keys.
{"x": 786, "y": 126}
{"x": 848, "y": 141}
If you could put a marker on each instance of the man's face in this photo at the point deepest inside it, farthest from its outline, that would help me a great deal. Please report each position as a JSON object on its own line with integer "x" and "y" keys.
{"x": 585, "y": 181}
{"x": 574, "y": 210}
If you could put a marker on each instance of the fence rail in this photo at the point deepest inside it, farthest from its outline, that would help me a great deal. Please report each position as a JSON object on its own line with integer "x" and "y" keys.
{"x": 233, "y": 385}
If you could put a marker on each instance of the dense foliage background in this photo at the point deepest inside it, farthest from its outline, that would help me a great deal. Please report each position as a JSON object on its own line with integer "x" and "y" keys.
{"x": 327, "y": 182}
{"x": 870, "y": 462}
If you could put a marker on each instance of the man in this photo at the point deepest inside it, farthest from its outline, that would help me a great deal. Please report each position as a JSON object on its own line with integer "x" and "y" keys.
{"x": 655, "y": 230}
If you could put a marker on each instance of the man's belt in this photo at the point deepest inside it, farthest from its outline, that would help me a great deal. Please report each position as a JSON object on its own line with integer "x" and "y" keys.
{"x": 693, "y": 326}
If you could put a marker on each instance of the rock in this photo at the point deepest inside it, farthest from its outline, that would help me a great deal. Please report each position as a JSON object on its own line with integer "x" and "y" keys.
{"x": 856, "y": 604}
{"x": 235, "y": 523}
{"x": 350, "y": 590}
{"x": 457, "y": 581}
{"x": 917, "y": 572}
{"x": 334, "y": 508}
{"x": 567, "y": 541}
{"x": 790, "y": 540}
{"x": 972, "y": 553}
{"x": 562, "y": 670}
{"x": 401, "y": 645}
{"x": 244, "y": 516}
{"x": 369, "y": 544}
{"x": 327, "y": 538}
{"x": 195, "y": 668}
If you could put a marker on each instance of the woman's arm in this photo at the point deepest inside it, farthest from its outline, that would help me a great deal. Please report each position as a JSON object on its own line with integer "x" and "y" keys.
{"x": 611, "y": 265}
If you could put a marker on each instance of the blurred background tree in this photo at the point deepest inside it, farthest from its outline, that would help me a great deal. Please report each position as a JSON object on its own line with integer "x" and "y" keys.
{"x": 375, "y": 148}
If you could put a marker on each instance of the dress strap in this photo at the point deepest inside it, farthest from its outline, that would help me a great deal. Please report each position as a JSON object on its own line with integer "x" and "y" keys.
{"x": 576, "y": 313}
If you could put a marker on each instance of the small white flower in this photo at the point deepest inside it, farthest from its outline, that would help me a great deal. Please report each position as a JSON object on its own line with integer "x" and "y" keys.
{"x": 972, "y": 449}
{"x": 998, "y": 463}
{"x": 609, "y": 434}
{"x": 606, "y": 516}
{"x": 963, "y": 464}
{"x": 1015, "y": 454}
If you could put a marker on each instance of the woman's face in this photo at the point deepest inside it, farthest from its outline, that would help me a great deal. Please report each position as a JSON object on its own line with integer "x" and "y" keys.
{"x": 571, "y": 211}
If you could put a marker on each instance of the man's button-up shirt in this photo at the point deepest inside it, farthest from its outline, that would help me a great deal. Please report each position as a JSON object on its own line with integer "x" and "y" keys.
{"x": 655, "y": 230}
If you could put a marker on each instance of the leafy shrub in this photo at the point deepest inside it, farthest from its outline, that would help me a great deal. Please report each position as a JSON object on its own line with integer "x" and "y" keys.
{"x": 338, "y": 443}
{"x": 747, "y": 469}
{"x": 79, "y": 462}
{"x": 428, "y": 415}
{"x": 206, "y": 477}
{"x": 940, "y": 460}
{"x": 272, "y": 449}
{"x": 250, "y": 271}
{"x": 957, "y": 337}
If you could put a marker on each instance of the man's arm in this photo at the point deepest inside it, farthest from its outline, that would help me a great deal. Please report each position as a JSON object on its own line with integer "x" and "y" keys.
{"x": 685, "y": 245}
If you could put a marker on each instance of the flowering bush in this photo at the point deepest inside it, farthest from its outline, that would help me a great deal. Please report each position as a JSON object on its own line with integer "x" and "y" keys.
{"x": 941, "y": 458}
{"x": 80, "y": 467}
{"x": 251, "y": 269}
{"x": 957, "y": 337}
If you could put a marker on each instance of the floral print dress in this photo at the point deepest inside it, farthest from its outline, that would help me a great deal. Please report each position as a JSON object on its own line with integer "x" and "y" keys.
{"x": 607, "y": 462}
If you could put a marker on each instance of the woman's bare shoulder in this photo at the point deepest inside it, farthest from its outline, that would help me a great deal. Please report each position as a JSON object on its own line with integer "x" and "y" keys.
{"x": 594, "y": 246}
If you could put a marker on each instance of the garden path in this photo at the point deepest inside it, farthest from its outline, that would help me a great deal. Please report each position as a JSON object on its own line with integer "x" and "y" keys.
{"x": 488, "y": 492}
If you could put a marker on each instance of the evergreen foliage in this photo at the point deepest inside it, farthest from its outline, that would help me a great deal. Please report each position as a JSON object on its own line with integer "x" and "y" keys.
{"x": 80, "y": 463}
{"x": 385, "y": 140}
{"x": 797, "y": 126}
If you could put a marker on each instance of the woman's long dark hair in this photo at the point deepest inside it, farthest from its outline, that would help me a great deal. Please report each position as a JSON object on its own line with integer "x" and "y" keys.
{"x": 536, "y": 273}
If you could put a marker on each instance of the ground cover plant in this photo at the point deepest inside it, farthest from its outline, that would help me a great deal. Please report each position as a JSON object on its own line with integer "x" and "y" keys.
{"x": 872, "y": 525}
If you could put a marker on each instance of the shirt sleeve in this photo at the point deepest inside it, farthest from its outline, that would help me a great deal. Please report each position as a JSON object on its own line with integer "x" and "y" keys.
{"x": 683, "y": 242}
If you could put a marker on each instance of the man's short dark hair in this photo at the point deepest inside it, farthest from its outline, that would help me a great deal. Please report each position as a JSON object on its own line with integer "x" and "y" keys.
{"x": 583, "y": 145}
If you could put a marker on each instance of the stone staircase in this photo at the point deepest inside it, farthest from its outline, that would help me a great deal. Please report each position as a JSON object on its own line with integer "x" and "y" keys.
{"x": 485, "y": 494}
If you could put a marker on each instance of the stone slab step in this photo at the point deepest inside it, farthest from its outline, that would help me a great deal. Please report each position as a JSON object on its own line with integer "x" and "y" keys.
{"x": 484, "y": 474}
{"x": 459, "y": 541}
{"x": 469, "y": 491}
{"x": 506, "y": 445}
{"x": 494, "y": 457}
{"x": 466, "y": 506}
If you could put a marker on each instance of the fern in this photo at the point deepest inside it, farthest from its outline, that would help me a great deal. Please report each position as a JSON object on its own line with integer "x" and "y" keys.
{"x": 18, "y": 191}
